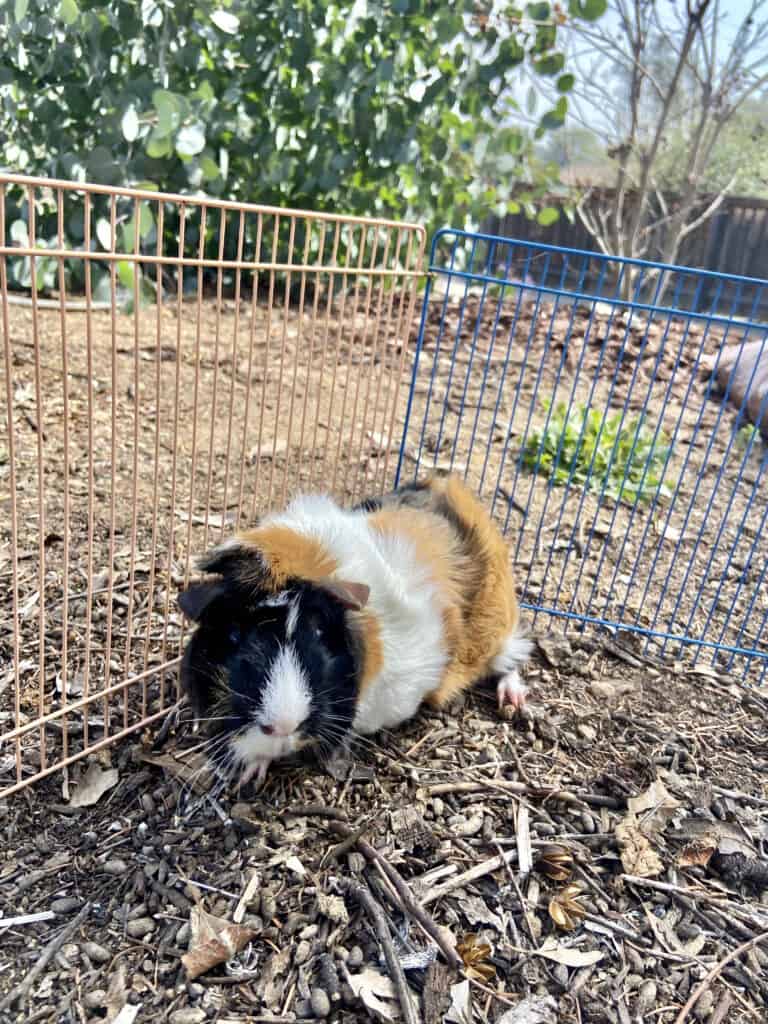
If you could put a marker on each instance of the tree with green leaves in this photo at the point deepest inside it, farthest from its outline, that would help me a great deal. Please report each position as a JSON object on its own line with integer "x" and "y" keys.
{"x": 400, "y": 108}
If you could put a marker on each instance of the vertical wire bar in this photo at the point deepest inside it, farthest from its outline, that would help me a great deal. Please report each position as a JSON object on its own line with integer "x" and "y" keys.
{"x": 350, "y": 349}
{"x": 375, "y": 346}
{"x": 380, "y": 438}
{"x": 267, "y": 360}
{"x": 359, "y": 375}
{"x": 235, "y": 334}
{"x": 215, "y": 387}
{"x": 326, "y": 337}
{"x": 91, "y": 468}
{"x": 160, "y": 228}
{"x": 174, "y": 455}
{"x": 693, "y": 372}
{"x": 135, "y": 442}
{"x": 338, "y": 327}
{"x": 195, "y": 402}
{"x": 487, "y": 368}
{"x": 65, "y": 413}
{"x": 404, "y": 319}
{"x": 249, "y": 383}
{"x": 311, "y": 355}
{"x": 113, "y": 458}
{"x": 14, "y": 522}
{"x": 40, "y": 477}
{"x": 297, "y": 354}
{"x": 283, "y": 348}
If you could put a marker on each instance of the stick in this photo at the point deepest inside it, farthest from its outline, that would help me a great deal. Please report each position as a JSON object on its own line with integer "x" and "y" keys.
{"x": 316, "y": 811}
{"x": 363, "y": 896}
{"x": 404, "y": 892}
{"x": 707, "y": 981}
{"x": 470, "y": 875}
{"x": 49, "y": 951}
{"x": 545, "y": 792}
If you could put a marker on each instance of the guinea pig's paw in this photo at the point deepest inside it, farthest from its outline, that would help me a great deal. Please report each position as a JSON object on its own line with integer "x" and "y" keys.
{"x": 511, "y": 691}
{"x": 256, "y": 772}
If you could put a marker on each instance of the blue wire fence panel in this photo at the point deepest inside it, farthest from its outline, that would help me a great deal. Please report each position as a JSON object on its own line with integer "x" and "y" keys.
{"x": 577, "y": 394}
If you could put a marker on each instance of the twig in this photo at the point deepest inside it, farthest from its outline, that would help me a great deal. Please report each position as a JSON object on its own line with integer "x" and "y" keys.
{"x": 722, "y": 1008}
{"x": 49, "y": 951}
{"x": 316, "y": 811}
{"x": 544, "y": 792}
{"x": 707, "y": 981}
{"x": 470, "y": 875}
{"x": 363, "y": 896}
{"x": 405, "y": 894}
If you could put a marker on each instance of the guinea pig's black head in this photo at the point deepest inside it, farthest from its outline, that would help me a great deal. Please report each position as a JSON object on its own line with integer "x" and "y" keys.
{"x": 274, "y": 671}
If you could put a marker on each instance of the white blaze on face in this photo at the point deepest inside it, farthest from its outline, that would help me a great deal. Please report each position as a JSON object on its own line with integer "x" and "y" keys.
{"x": 285, "y": 705}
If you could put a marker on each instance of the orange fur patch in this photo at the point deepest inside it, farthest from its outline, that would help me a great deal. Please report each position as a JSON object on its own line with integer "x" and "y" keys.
{"x": 288, "y": 554}
{"x": 470, "y": 564}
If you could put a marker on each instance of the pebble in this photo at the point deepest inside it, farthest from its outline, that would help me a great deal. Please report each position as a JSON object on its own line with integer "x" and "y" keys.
{"x": 302, "y": 952}
{"x": 115, "y": 867}
{"x": 97, "y": 953}
{"x": 95, "y": 999}
{"x": 438, "y": 806}
{"x": 704, "y": 1005}
{"x": 188, "y": 1015}
{"x": 355, "y": 957}
{"x": 183, "y": 935}
{"x": 646, "y": 998}
{"x": 140, "y": 927}
{"x": 320, "y": 1003}
{"x": 66, "y": 905}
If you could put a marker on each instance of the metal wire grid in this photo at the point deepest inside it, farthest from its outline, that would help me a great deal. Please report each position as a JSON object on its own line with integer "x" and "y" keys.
{"x": 517, "y": 340}
{"x": 218, "y": 357}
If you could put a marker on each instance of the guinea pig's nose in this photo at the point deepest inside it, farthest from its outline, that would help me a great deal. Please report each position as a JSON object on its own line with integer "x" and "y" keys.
{"x": 268, "y": 729}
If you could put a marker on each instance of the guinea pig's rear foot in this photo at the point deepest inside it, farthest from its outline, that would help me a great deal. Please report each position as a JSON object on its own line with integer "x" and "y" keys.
{"x": 256, "y": 772}
{"x": 511, "y": 691}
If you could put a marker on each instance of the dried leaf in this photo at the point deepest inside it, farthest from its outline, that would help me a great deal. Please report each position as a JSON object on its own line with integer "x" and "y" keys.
{"x": 565, "y": 908}
{"x": 333, "y": 907}
{"x": 213, "y": 941}
{"x": 567, "y": 955}
{"x": 533, "y": 1010}
{"x": 192, "y": 769}
{"x": 637, "y": 856}
{"x": 474, "y": 955}
{"x": 93, "y": 785}
{"x": 556, "y": 862}
{"x": 377, "y": 993}
{"x": 653, "y": 808}
{"x": 477, "y": 911}
{"x": 695, "y": 855}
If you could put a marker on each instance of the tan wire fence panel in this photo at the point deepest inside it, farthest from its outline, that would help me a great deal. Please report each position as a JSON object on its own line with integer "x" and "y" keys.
{"x": 182, "y": 367}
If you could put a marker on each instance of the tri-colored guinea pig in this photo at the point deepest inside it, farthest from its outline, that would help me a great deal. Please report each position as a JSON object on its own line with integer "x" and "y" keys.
{"x": 325, "y": 621}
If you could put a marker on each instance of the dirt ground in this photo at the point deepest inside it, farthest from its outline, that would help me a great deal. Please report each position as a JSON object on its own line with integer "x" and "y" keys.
{"x": 647, "y": 769}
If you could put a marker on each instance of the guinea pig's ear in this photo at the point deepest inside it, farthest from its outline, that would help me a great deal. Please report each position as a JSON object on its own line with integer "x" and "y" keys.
{"x": 352, "y": 595}
{"x": 195, "y": 599}
{"x": 235, "y": 560}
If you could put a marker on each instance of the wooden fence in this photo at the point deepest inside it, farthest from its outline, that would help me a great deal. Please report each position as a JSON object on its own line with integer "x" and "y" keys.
{"x": 733, "y": 241}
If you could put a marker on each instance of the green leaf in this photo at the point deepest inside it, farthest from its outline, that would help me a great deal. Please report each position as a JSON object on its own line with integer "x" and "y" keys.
{"x": 69, "y": 12}
{"x": 589, "y": 10}
{"x": 191, "y": 140}
{"x": 20, "y": 10}
{"x": 130, "y": 124}
{"x": 126, "y": 270}
{"x": 566, "y": 82}
{"x": 538, "y": 12}
{"x": 226, "y": 22}
{"x": 169, "y": 109}
{"x": 151, "y": 13}
{"x": 549, "y": 215}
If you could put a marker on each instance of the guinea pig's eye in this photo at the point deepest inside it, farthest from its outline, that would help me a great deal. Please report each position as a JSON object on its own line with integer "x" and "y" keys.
{"x": 234, "y": 636}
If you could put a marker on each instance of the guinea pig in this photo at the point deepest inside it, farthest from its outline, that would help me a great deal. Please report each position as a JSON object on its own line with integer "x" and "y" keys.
{"x": 324, "y": 622}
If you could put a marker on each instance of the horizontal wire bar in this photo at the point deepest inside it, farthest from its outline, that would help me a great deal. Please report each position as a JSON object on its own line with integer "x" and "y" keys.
{"x": 92, "y": 698}
{"x": 626, "y": 627}
{"x": 195, "y": 261}
{"x": 206, "y": 201}
{"x": 609, "y": 300}
{"x": 108, "y": 741}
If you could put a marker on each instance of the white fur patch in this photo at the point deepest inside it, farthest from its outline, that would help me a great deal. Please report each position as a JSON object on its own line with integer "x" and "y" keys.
{"x": 286, "y": 700}
{"x": 515, "y": 651}
{"x": 292, "y": 619}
